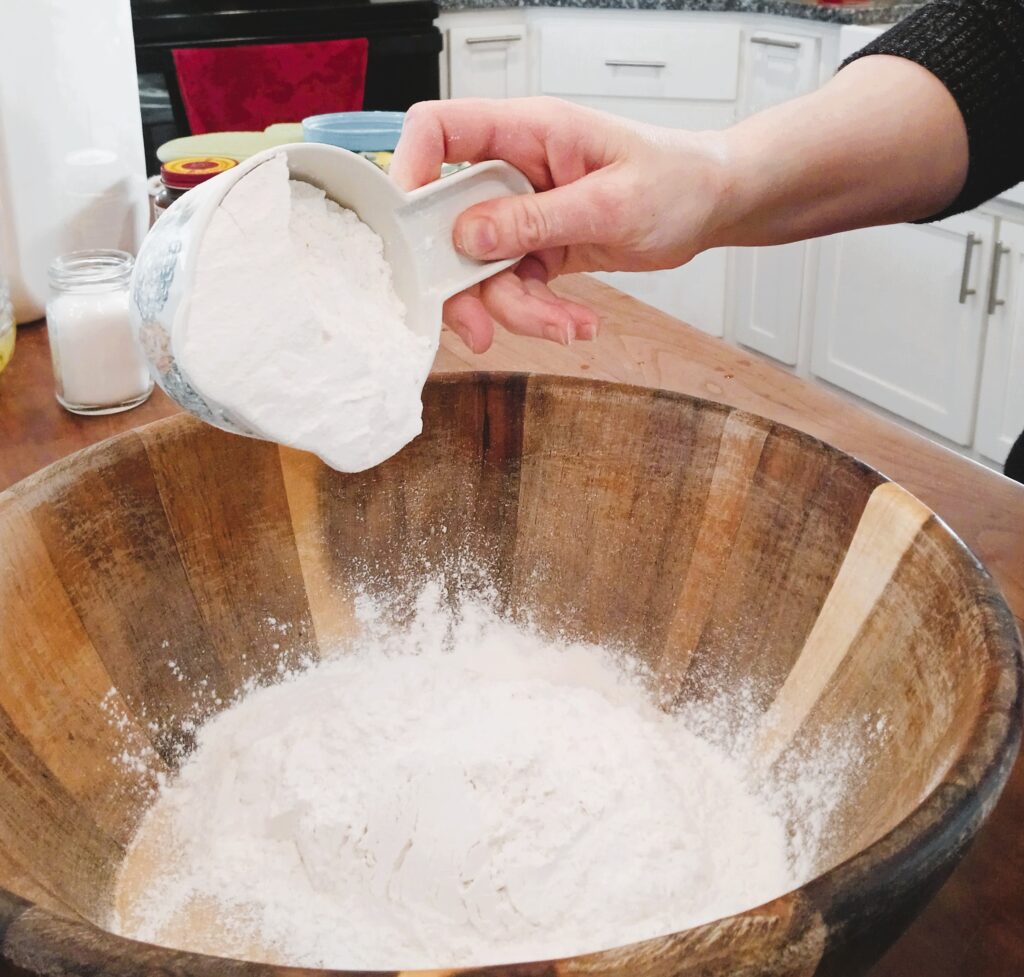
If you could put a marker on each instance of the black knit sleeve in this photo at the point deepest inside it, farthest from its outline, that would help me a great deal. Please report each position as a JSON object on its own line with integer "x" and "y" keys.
{"x": 976, "y": 49}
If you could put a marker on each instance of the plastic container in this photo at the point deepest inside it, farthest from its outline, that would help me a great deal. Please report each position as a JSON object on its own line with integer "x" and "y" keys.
{"x": 72, "y": 167}
{"x": 371, "y": 134}
{"x": 181, "y": 175}
{"x": 98, "y": 367}
{"x": 361, "y": 132}
{"x": 235, "y": 145}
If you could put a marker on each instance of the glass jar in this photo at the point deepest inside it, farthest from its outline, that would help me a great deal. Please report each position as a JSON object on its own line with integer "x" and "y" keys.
{"x": 8, "y": 329}
{"x": 97, "y": 364}
{"x": 180, "y": 175}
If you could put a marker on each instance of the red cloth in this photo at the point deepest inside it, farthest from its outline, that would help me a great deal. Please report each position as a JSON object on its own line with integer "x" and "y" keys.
{"x": 251, "y": 87}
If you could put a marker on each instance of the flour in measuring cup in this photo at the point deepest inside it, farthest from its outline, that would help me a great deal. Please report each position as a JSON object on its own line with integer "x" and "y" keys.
{"x": 294, "y": 326}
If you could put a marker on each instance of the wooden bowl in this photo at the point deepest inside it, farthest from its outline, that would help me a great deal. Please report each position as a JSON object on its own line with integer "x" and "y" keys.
{"x": 716, "y": 543}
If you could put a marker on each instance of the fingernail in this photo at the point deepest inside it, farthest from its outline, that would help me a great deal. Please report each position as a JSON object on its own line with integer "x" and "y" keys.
{"x": 479, "y": 237}
{"x": 589, "y": 330}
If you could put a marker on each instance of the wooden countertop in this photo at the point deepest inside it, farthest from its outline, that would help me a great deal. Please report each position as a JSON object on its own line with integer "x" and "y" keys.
{"x": 975, "y": 926}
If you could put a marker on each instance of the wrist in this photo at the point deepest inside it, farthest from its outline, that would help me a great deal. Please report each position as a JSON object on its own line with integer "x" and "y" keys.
{"x": 709, "y": 189}
{"x": 733, "y": 187}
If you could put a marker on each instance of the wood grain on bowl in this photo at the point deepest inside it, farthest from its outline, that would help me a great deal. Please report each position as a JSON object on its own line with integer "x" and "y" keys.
{"x": 156, "y": 573}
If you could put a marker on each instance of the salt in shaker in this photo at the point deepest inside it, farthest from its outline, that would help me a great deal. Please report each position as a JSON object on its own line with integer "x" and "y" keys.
{"x": 97, "y": 365}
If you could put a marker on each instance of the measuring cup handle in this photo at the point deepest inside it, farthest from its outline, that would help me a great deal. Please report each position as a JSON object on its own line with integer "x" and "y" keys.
{"x": 429, "y": 214}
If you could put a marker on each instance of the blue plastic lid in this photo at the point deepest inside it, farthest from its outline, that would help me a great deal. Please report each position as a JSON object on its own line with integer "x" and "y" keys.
{"x": 361, "y": 132}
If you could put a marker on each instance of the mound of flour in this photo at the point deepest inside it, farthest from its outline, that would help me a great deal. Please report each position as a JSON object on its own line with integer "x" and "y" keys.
{"x": 294, "y": 326}
{"x": 458, "y": 792}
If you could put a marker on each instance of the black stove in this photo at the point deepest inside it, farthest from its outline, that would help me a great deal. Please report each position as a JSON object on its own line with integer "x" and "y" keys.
{"x": 404, "y": 45}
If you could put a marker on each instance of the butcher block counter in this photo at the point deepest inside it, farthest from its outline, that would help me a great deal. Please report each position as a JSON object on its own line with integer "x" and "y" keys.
{"x": 975, "y": 926}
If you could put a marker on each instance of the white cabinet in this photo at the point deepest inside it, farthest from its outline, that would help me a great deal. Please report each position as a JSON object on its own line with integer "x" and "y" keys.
{"x": 488, "y": 61}
{"x": 684, "y": 75}
{"x": 769, "y": 287}
{"x": 898, "y": 319}
{"x": 694, "y": 293}
{"x": 777, "y": 67}
{"x": 1001, "y": 400}
{"x": 694, "y": 68}
{"x": 898, "y": 316}
{"x": 769, "y": 282}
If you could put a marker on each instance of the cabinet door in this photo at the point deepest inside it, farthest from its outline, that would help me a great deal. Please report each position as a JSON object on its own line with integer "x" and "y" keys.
{"x": 899, "y": 314}
{"x": 769, "y": 290}
{"x": 487, "y": 61}
{"x": 769, "y": 282}
{"x": 683, "y": 76}
{"x": 694, "y": 293}
{"x": 777, "y": 67}
{"x": 1001, "y": 402}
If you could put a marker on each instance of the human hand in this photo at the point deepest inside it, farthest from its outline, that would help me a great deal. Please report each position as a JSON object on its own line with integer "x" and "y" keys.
{"x": 612, "y": 196}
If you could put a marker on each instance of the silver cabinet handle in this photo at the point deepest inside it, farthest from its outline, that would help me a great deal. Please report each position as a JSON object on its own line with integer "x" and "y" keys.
{"x": 496, "y": 39}
{"x": 965, "y": 275}
{"x": 993, "y": 282}
{"x": 623, "y": 63}
{"x": 775, "y": 42}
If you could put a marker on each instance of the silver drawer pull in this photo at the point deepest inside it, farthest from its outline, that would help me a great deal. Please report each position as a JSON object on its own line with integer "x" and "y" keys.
{"x": 624, "y": 63}
{"x": 965, "y": 274}
{"x": 993, "y": 282}
{"x": 775, "y": 42}
{"x": 496, "y": 39}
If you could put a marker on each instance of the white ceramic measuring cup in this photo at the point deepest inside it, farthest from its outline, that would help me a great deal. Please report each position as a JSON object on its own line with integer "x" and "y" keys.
{"x": 416, "y": 229}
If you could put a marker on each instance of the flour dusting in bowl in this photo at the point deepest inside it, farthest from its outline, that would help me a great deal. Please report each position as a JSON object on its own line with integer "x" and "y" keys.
{"x": 459, "y": 791}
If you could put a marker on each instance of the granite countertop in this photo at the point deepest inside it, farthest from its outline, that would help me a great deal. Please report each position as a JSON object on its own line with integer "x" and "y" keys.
{"x": 868, "y": 12}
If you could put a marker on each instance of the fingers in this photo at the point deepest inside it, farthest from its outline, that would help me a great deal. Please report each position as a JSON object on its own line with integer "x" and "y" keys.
{"x": 529, "y": 308}
{"x": 537, "y": 135}
{"x": 585, "y": 320}
{"x": 467, "y": 317}
{"x": 421, "y": 148}
{"x": 524, "y": 305}
{"x": 533, "y": 268}
{"x": 508, "y": 227}
{"x": 507, "y": 299}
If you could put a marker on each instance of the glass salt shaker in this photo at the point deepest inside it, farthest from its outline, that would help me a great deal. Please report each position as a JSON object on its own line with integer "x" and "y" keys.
{"x": 97, "y": 365}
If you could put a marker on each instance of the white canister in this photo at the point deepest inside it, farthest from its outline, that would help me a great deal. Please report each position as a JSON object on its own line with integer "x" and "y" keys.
{"x": 97, "y": 365}
{"x": 72, "y": 166}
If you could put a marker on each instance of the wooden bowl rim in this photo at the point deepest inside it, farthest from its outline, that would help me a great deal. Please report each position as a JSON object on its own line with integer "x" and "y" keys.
{"x": 948, "y": 815}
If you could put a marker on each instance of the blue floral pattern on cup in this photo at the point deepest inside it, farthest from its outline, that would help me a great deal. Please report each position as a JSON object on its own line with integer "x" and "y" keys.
{"x": 157, "y": 293}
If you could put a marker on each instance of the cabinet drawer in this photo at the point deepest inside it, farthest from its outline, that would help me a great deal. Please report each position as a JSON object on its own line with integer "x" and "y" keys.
{"x": 698, "y": 62}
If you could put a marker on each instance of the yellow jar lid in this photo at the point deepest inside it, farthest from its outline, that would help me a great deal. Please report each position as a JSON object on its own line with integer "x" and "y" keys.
{"x": 190, "y": 171}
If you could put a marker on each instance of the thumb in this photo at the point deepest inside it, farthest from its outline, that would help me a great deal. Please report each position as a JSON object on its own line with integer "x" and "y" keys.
{"x": 510, "y": 227}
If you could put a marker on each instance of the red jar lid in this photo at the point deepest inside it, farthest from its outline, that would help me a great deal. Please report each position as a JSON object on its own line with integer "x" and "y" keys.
{"x": 190, "y": 171}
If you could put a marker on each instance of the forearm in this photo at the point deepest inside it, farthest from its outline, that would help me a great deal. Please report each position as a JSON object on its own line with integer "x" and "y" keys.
{"x": 882, "y": 142}
{"x": 924, "y": 122}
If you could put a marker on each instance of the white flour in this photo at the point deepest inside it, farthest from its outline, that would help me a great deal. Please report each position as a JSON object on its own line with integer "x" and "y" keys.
{"x": 294, "y": 325}
{"x": 460, "y": 792}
